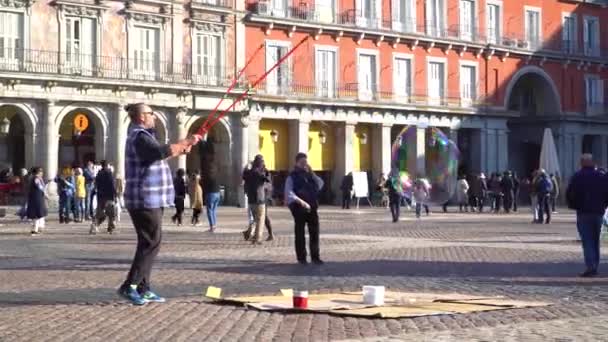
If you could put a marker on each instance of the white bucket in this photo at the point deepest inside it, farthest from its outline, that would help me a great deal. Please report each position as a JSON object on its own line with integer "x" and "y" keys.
{"x": 373, "y": 295}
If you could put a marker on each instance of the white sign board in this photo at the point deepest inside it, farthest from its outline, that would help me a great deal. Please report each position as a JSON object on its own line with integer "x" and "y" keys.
{"x": 360, "y": 185}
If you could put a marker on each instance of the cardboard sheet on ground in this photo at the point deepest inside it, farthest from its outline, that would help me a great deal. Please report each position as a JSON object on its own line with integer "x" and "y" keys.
{"x": 397, "y": 304}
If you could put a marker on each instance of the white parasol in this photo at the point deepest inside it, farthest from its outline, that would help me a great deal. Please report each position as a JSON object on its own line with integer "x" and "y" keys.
{"x": 548, "y": 154}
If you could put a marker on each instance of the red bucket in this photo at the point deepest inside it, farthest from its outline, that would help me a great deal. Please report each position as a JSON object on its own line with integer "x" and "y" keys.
{"x": 300, "y": 299}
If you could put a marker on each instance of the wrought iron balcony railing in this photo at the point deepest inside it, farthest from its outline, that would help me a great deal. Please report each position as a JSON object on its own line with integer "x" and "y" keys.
{"x": 355, "y": 18}
{"x": 356, "y": 92}
{"x": 217, "y": 3}
{"x": 114, "y": 68}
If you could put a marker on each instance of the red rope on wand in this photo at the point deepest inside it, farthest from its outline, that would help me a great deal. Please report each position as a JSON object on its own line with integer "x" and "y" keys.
{"x": 201, "y": 131}
{"x": 234, "y": 82}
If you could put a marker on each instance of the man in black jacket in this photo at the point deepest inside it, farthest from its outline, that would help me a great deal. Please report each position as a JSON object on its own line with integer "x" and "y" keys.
{"x": 106, "y": 193}
{"x": 302, "y": 189}
{"x": 587, "y": 193}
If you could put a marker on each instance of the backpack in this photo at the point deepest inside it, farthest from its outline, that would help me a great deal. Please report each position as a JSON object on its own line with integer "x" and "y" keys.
{"x": 545, "y": 186}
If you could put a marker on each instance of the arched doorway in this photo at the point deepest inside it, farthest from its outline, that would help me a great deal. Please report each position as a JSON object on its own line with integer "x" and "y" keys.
{"x": 532, "y": 94}
{"x": 76, "y": 148}
{"x": 12, "y": 145}
{"x": 16, "y": 147}
{"x": 220, "y": 135}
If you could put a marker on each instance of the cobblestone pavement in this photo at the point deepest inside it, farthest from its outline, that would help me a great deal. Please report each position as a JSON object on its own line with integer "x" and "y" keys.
{"x": 60, "y": 286}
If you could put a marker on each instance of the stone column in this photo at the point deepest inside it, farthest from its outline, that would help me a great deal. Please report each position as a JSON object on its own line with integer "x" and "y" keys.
{"x": 179, "y": 132}
{"x": 241, "y": 140}
{"x": 503, "y": 150}
{"x": 253, "y": 131}
{"x": 50, "y": 150}
{"x": 381, "y": 149}
{"x": 344, "y": 134}
{"x": 603, "y": 151}
{"x": 491, "y": 151}
{"x": 298, "y": 137}
{"x": 120, "y": 139}
{"x": 420, "y": 151}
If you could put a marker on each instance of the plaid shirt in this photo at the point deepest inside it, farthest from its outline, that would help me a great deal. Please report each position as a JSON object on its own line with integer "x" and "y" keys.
{"x": 147, "y": 186}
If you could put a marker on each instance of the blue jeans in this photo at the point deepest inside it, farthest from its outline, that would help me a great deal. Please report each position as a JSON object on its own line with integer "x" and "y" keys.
{"x": 80, "y": 208}
{"x": 88, "y": 201}
{"x": 589, "y": 227}
{"x": 213, "y": 199}
{"x": 65, "y": 207}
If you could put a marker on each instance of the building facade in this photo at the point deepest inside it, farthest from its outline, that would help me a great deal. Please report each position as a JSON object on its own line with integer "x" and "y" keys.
{"x": 65, "y": 59}
{"x": 491, "y": 74}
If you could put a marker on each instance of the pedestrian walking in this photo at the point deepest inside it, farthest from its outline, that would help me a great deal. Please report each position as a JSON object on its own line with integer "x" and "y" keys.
{"x": 395, "y": 192}
{"x": 80, "y": 195}
{"x": 105, "y": 190}
{"x": 26, "y": 183}
{"x": 421, "y": 195}
{"x": 495, "y": 192}
{"x": 148, "y": 190}
{"x": 120, "y": 201}
{"x": 65, "y": 183}
{"x": 36, "y": 201}
{"x": 347, "y": 190}
{"x": 532, "y": 184}
{"x": 302, "y": 189}
{"x": 256, "y": 185}
{"x": 462, "y": 191}
{"x": 507, "y": 187}
{"x": 89, "y": 176}
{"x": 543, "y": 191}
{"x": 384, "y": 192}
{"x": 179, "y": 184}
{"x": 209, "y": 177}
{"x": 196, "y": 198}
{"x": 516, "y": 188}
{"x": 587, "y": 193}
{"x": 554, "y": 192}
{"x": 479, "y": 190}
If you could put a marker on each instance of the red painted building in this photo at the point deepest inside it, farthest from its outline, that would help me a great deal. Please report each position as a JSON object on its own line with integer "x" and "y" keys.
{"x": 492, "y": 73}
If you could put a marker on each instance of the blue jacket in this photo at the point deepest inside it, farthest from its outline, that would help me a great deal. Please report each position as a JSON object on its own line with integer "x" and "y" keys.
{"x": 587, "y": 192}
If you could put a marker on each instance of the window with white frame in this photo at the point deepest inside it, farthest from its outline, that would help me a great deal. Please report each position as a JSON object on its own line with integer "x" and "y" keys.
{"x": 493, "y": 22}
{"x": 325, "y": 71}
{"x": 402, "y": 77}
{"x": 569, "y": 32}
{"x": 207, "y": 52}
{"x": 468, "y": 84}
{"x": 436, "y": 18}
{"x": 325, "y": 10}
{"x": 279, "y": 80}
{"x": 279, "y": 8}
{"x": 532, "y": 27}
{"x": 404, "y": 15}
{"x": 594, "y": 92}
{"x": 436, "y": 81}
{"x": 591, "y": 36}
{"x": 367, "y": 77}
{"x": 467, "y": 20}
{"x": 369, "y": 13}
{"x": 11, "y": 37}
{"x": 80, "y": 45}
{"x": 146, "y": 52}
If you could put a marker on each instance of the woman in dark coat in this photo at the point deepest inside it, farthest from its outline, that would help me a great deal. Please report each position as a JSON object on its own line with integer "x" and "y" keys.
{"x": 36, "y": 204}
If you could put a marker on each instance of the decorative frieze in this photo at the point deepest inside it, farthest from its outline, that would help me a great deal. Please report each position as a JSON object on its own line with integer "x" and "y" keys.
{"x": 16, "y": 3}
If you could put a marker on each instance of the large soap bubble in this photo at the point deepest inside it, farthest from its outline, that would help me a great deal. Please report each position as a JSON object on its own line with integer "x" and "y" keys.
{"x": 441, "y": 164}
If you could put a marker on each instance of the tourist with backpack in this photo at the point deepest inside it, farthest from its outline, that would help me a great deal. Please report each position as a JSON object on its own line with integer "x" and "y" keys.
{"x": 544, "y": 188}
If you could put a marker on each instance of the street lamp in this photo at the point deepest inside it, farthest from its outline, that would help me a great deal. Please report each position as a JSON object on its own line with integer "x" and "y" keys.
{"x": 274, "y": 135}
{"x": 5, "y": 126}
{"x": 363, "y": 138}
{"x": 322, "y": 137}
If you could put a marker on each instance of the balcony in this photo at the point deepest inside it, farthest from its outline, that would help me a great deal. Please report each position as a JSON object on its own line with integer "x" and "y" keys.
{"x": 75, "y": 66}
{"x": 350, "y": 93}
{"x": 217, "y": 3}
{"x": 212, "y": 6}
